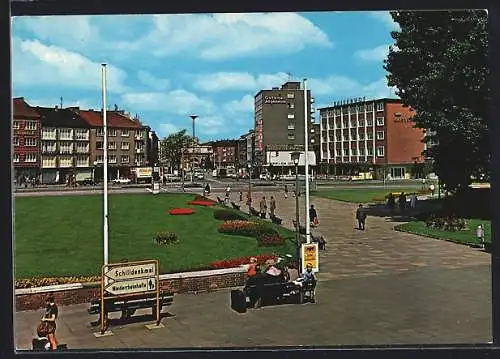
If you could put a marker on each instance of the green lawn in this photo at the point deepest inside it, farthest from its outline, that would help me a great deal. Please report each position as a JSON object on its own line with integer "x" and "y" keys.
{"x": 62, "y": 236}
{"x": 362, "y": 195}
{"x": 463, "y": 237}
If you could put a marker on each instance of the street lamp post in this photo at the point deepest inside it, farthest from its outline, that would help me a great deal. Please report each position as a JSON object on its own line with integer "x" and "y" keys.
{"x": 193, "y": 117}
{"x": 295, "y": 158}
{"x": 306, "y": 159}
{"x": 249, "y": 186}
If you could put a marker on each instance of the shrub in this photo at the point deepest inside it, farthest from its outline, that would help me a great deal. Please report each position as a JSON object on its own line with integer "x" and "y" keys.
{"x": 166, "y": 238}
{"x": 236, "y": 262}
{"x": 246, "y": 228}
{"x": 449, "y": 223}
{"x": 203, "y": 198}
{"x": 271, "y": 240}
{"x": 225, "y": 214}
{"x": 42, "y": 282}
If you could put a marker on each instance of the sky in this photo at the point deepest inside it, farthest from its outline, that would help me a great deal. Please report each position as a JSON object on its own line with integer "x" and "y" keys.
{"x": 166, "y": 67}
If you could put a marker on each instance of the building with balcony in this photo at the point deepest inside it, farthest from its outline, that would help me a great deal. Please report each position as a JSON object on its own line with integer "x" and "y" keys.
{"x": 375, "y": 138}
{"x": 26, "y": 140}
{"x": 65, "y": 145}
{"x": 126, "y": 143}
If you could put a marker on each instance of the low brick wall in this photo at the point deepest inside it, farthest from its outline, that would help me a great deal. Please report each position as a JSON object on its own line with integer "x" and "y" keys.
{"x": 79, "y": 293}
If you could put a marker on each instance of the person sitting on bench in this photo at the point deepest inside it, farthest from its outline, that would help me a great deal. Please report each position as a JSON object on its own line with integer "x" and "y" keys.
{"x": 42, "y": 342}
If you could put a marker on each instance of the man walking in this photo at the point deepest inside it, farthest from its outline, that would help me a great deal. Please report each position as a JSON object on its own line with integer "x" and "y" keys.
{"x": 361, "y": 217}
{"x": 263, "y": 207}
{"x": 286, "y": 191}
{"x": 272, "y": 206}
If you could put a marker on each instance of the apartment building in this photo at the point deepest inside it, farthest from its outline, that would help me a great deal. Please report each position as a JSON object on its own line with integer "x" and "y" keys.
{"x": 225, "y": 153}
{"x": 279, "y": 119}
{"x": 65, "y": 145}
{"x": 127, "y": 138}
{"x": 25, "y": 140}
{"x": 369, "y": 137}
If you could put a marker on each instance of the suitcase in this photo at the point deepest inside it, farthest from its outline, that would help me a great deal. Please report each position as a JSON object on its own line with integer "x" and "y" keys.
{"x": 238, "y": 301}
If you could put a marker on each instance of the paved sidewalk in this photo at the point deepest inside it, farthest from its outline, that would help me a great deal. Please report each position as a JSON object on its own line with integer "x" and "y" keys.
{"x": 376, "y": 287}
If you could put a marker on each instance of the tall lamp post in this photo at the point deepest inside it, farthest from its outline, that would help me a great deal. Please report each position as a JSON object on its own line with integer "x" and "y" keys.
{"x": 193, "y": 117}
{"x": 306, "y": 159}
{"x": 105, "y": 164}
{"x": 249, "y": 165}
{"x": 295, "y": 158}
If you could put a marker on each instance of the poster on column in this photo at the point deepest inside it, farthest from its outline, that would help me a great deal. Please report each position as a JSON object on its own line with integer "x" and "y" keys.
{"x": 310, "y": 255}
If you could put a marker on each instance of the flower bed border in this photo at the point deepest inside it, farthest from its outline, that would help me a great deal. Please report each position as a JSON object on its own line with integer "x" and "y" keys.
{"x": 80, "y": 293}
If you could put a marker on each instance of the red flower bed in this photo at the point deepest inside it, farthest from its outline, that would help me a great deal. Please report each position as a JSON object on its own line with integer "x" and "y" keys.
{"x": 236, "y": 262}
{"x": 271, "y": 240}
{"x": 180, "y": 211}
{"x": 202, "y": 203}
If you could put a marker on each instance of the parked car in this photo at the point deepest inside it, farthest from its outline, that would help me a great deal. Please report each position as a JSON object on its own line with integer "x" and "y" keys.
{"x": 199, "y": 175}
{"x": 122, "y": 181}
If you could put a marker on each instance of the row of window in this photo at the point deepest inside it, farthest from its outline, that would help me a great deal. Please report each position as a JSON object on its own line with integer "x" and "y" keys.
{"x": 28, "y": 141}
{"x": 379, "y": 106}
{"x": 362, "y": 151}
{"x": 379, "y": 121}
{"x": 125, "y": 146}
{"x": 28, "y": 157}
{"x": 65, "y": 148}
{"x": 113, "y": 132}
{"x": 379, "y": 135}
{"x": 112, "y": 159}
{"x": 28, "y": 125}
{"x": 65, "y": 134}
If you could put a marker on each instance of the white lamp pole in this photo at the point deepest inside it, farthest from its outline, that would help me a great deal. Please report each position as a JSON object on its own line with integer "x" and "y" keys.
{"x": 105, "y": 160}
{"x": 306, "y": 159}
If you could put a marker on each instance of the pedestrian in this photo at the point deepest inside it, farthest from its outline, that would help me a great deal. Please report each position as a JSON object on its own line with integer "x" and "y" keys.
{"x": 249, "y": 199}
{"x": 241, "y": 196}
{"x": 228, "y": 193}
{"x": 361, "y": 217}
{"x": 272, "y": 206}
{"x": 432, "y": 189}
{"x": 263, "y": 207}
{"x": 313, "y": 216}
{"x": 286, "y": 191}
{"x": 391, "y": 202}
{"x": 50, "y": 317}
{"x": 413, "y": 201}
{"x": 207, "y": 189}
{"x": 402, "y": 201}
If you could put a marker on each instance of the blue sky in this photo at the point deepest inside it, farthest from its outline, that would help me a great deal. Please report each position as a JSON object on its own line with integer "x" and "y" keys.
{"x": 166, "y": 67}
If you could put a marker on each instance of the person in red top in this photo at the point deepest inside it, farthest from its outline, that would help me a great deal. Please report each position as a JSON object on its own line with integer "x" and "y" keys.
{"x": 252, "y": 267}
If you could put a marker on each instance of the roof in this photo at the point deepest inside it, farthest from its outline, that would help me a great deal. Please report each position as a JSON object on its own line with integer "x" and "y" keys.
{"x": 354, "y": 103}
{"x": 114, "y": 119}
{"x": 57, "y": 117}
{"x": 22, "y": 109}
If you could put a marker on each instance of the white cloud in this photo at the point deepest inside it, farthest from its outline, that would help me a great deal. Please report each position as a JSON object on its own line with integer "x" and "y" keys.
{"x": 230, "y": 81}
{"x": 166, "y": 129}
{"x": 223, "y": 36}
{"x": 37, "y": 64}
{"x": 179, "y": 102}
{"x": 245, "y": 104}
{"x": 378, "y": 53}
{"x": 66, "y": 31}
{"x": 386, "y": 18}
{"x": 156, "y": 83}
{"x": 56, "y": 101}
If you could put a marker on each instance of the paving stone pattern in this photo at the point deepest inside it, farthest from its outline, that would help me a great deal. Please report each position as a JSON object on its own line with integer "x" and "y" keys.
{"x": 376, "y": 287}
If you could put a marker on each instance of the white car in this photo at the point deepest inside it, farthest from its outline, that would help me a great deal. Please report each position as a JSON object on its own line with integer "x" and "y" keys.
{"x": 122, "y": 181}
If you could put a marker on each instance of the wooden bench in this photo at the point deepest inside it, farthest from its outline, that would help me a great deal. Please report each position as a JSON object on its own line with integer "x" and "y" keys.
{"x": 276, "y": 220}
{"x": 253, "y": 212}
{"x": 235, "y": 206}
{"x": 128, "y": 305}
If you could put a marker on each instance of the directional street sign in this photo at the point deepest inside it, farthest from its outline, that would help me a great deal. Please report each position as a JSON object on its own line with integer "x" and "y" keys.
{"x": 126, "y": 272}
{"x": 131, "y": 286}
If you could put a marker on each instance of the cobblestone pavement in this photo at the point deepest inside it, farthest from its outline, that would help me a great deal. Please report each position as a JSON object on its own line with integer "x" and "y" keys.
{"x": 376, "y": 287}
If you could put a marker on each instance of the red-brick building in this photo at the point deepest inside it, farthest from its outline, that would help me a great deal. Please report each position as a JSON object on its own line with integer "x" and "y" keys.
{"x": 25, "y": 140}
{"x": 369, "y": 137}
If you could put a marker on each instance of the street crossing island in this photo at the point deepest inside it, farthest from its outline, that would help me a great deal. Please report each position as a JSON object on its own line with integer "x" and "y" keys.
{"x": 134, "y": 271}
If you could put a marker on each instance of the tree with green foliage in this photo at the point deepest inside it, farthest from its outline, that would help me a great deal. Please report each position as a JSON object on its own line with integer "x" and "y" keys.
{"x": 439, "y": 65}
{"x": 172, "y": 147}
